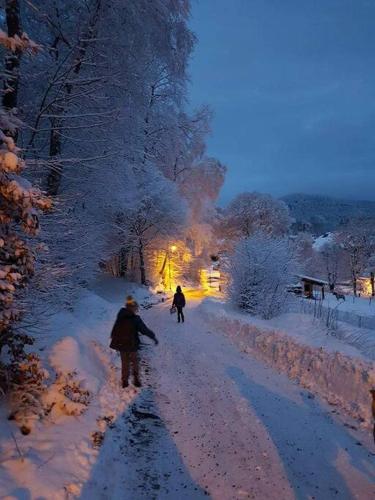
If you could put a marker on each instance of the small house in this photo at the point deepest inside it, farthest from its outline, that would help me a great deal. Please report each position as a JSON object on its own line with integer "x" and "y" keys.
{"x": 366, "y": 285}
{"x": 313, "y": 288}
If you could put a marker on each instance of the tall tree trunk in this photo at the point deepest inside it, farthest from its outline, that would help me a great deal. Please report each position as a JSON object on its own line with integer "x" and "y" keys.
{"x": 354, "y": 279}
{"x": 142, "y": 263}
{"x": 12, "y": 60}
{"x": 56, "y": 170}
{"x": 146, "y": 127}
{"x": 354, "y": 269}
{"x": 175, "y": 169}
{"x": 55, "y": 173}
{"x": 123, "y": 256}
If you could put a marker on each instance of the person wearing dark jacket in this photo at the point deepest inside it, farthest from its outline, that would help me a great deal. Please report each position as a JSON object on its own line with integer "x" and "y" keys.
{"x": 179, "y": 302}
{"x": 125, "y": 339}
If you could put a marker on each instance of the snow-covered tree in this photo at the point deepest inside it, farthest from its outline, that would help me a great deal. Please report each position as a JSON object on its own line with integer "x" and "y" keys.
{"x": 110, "y": 105}
{"x": 154, "y": 211}
{"x": 183, "y": 144}
{"x": 69, "y": 99}
{"x": 305, "y": 252}
{"x": 357, "y": 240}
{"x": 260, "y": 270}
{"x": 334, "y": 262}
{"x": 20, "y": 207}
{"x": 252, "y": 212}
{"x": 104, "y": 101}
{"x": 200, "y": 186}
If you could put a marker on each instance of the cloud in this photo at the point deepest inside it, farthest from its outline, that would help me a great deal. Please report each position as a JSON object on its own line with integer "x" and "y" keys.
{"x": 292, "y": 85}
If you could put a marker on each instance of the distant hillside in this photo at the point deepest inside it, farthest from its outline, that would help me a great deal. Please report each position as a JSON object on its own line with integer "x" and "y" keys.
{"x": 322, "y": 213}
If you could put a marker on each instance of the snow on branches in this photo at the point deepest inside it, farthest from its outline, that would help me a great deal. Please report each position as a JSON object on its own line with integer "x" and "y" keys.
{"x": 18, "y": 43}
{"x": 20, "y": 206}
{"x": 261, "y": 269}
{"x": 154, "y": 212}
{"x": 251, "y": 212}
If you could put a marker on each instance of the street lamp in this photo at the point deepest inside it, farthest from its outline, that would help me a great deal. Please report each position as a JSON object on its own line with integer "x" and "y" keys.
{"x": 172, "y": 248}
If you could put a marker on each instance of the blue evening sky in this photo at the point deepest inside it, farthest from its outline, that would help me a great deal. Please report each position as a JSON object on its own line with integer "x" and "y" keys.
{"x": 292, "y": 86}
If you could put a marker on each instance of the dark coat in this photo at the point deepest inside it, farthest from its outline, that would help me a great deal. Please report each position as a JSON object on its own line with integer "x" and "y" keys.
{"x": 125, "y": 331}
{"x": 179, "y": 300}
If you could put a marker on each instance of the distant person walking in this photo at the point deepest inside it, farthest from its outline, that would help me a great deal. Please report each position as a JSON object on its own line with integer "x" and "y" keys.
{"x": 179, "y": 302}
{"x": 125, "y": 339}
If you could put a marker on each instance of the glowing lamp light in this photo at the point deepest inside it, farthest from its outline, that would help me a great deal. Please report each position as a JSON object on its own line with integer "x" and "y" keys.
{"x": 173, "y": 248}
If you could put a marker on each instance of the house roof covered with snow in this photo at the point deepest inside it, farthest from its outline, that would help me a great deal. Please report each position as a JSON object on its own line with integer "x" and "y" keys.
{"x": 311, "y": 279}
{"x": 322, "y": 240}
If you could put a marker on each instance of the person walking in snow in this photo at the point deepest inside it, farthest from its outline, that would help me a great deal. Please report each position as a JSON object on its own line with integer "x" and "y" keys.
{"x": 125, "y": 339}
{"x": 179, "y": 302}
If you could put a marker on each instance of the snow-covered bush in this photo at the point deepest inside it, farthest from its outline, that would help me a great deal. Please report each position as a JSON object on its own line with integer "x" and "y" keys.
{"x": 261, "y": 269}
{"x": 26, "y": 397}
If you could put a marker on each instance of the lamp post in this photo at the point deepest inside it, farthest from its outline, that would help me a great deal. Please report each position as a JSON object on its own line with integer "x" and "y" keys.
{"x": 172, "y": 248}
{"x": 169, "y": 268}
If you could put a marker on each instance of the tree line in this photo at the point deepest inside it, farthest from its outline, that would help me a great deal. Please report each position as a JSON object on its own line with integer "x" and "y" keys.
{"x": 96, "y": 133}
{"x": 264, "y": 255}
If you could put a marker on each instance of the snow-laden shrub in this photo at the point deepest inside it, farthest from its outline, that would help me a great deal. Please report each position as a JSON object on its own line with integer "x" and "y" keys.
{"x": 28, "y": 384}
{"x": 261, "y": 269}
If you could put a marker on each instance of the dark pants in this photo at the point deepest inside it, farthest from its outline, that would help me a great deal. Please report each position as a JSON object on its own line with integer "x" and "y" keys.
{"x": 128, "y": 358}
{"x": 180, "y": 314}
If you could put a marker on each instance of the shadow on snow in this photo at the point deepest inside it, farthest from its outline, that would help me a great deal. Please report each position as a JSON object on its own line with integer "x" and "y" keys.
{"x": 138, "y": 459}
{"x": 308, "y": 452}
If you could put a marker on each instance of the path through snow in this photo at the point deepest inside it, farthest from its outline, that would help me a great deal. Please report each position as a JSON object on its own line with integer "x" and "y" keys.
{"x": 210, "y": 422}
{"x": 222, "y": 424}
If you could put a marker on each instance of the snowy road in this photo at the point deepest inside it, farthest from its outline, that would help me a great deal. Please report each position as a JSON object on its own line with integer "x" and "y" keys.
{"x": 214, "y": 422}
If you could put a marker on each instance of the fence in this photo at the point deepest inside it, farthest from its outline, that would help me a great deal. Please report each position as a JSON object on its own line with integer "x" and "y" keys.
{"x": 331, "y": 315}
{"x": 327, "y": 315}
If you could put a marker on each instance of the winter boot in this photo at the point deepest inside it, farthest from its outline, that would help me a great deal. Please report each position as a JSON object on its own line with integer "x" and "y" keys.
{"x": 125, "y": 384}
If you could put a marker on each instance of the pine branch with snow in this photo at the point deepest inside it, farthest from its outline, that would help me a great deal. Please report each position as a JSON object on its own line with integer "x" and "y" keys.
{"x": 20, "y": 207}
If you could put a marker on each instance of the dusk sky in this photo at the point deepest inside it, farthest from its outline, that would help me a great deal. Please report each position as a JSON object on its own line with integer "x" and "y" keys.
{"x": 292, "y": 86}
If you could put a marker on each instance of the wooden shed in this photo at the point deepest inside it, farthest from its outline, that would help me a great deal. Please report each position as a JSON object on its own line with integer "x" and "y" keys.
{"x": 313, "y": 288}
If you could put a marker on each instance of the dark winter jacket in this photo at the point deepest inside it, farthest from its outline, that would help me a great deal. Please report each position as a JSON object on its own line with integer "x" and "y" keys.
{"x": 125, "y": 332}
{"x": 179, "y": 300}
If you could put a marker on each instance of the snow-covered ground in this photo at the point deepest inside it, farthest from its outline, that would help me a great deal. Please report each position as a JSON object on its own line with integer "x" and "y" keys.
{"x": 83, "y": 398}
{"x": 352, "y": 320}
{"x": 211, "y": 420}
{"x": 360, "y": 306}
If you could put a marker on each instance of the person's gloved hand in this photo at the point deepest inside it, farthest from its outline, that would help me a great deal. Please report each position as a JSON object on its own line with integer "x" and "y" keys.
{"x": 156, "y": 341}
